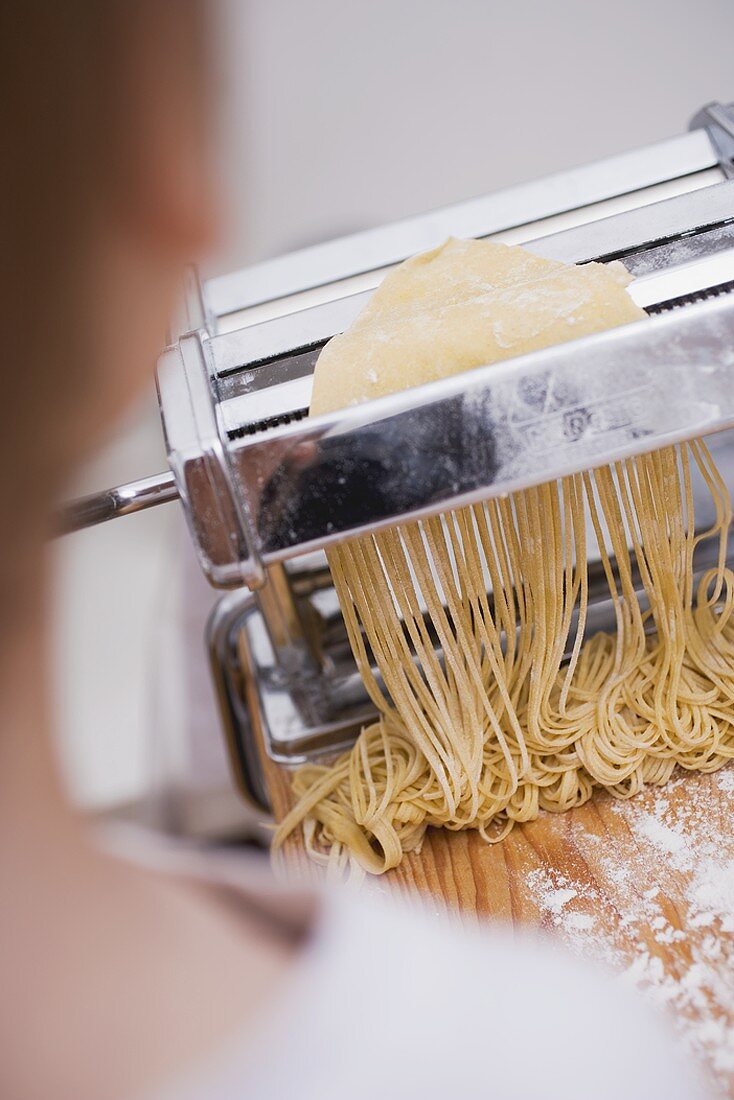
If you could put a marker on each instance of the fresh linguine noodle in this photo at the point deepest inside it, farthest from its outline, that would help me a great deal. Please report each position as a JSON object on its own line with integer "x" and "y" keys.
{"x": 496, "y": 700}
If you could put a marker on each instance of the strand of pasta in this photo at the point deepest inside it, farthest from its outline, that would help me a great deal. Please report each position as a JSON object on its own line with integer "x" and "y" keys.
{"x": 494, "y": 707}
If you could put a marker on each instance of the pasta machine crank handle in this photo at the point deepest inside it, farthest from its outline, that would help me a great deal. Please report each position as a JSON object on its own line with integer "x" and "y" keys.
{"x": 122, "y": 500}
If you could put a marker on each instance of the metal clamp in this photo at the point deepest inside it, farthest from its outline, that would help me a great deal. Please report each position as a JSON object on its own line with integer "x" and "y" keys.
{"x": 718, "y": 121}
{"x": 215, "y": 508}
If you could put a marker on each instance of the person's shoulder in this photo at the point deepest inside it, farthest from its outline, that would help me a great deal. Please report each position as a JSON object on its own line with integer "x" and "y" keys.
{"x": 398, "y": 998}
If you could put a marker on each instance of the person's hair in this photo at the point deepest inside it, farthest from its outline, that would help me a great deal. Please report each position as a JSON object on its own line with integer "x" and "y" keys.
{"x": 56, "y": 71}
{"x": 64, "y": 72}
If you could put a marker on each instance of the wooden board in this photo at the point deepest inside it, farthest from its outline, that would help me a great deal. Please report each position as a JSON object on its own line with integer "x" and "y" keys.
{"x": 646, "y": 886}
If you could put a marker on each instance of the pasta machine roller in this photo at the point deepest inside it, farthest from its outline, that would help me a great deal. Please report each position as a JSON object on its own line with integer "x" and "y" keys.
{"x": 265, "y": 490}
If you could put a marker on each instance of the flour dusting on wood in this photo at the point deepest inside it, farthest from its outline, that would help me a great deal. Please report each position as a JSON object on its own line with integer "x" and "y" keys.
{"x": 682, "y": 957}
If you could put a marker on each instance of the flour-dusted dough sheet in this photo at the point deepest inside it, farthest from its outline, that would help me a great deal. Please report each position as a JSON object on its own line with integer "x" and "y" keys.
{"x": 464, "y": 305}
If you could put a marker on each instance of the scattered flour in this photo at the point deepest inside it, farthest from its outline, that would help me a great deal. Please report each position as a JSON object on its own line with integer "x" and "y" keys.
{"x": 660, "y": 910}
{"x": 555, "y": 900}
{"x": 664, "y": 838}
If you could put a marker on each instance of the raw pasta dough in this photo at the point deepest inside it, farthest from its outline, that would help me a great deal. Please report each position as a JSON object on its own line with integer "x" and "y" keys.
{"x": 463, "y": 305}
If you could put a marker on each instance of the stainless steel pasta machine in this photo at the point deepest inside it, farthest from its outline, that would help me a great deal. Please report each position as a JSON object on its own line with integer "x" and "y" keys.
{"x": 265, "y": 490}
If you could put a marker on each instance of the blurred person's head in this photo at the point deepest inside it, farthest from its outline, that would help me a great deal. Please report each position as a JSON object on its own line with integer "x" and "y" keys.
{"x": 106, "y": 193}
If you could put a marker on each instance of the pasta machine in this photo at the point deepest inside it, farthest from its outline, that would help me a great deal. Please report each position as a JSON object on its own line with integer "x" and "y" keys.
{"x": 266, "y": 490}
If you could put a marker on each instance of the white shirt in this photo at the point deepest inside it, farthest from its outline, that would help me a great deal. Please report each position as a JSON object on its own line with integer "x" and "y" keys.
{"x": 390, "y": 1001}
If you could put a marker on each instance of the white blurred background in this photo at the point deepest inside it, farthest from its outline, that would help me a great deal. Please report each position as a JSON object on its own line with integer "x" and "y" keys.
{"x": 340, "y": 115}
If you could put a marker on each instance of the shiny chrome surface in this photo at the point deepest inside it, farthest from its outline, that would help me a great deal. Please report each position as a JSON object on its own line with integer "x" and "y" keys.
{"x": 123, "y": 500}
{"x": 336, "y": 260}
{"x": 634, "y": 230}
{"x": 215, "y": 509}
{"x": 522, "y": 234}
{"x": 260, "y": 484}
{"x": 223, "y": 639}
{"x": 283, "y": 351}
{"x": 491, "y": 431}
{"x": 234, "y": 382}
{"x": 686, "y": 280}
{"x": 718, "y": 121}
